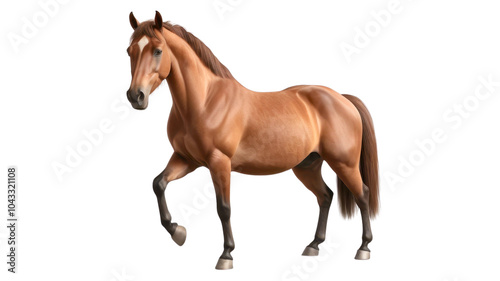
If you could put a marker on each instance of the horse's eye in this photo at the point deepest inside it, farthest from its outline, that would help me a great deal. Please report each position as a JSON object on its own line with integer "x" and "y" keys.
{"x": 157, "y": 52}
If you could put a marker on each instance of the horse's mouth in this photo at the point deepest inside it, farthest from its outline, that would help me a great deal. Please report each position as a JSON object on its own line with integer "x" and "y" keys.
{"x": 140, "y": 107}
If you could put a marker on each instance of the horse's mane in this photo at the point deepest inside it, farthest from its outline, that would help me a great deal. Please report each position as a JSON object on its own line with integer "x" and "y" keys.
{"x": 201, "y": 50}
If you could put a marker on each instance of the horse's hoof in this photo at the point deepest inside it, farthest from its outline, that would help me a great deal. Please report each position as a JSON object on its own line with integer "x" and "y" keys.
{"x": 224, "y": 264}
{"x": 362, "y": 255}
{"x": 179, "y": 236}
{"x": 310, "y": 251}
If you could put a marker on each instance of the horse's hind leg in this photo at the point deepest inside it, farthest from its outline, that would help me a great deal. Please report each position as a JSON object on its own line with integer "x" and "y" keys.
{"x": 176, "y": 168}
{"x": 310, "y": 175}
{"x": 351, "y": 177}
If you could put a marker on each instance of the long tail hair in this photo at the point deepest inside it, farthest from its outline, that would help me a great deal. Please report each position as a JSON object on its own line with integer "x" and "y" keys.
{"x": 368, "y": 166}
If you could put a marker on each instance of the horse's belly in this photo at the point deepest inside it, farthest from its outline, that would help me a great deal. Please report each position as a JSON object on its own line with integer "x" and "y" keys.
{"x": 268, "y": 153}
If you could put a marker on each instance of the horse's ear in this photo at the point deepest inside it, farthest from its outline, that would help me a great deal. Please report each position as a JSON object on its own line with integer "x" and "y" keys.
{"x": 133, "y": 21}
{"x": 158, "y": 21}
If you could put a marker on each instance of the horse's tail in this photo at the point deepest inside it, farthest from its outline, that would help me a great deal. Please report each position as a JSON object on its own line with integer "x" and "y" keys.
{"x": 368, "y": 165}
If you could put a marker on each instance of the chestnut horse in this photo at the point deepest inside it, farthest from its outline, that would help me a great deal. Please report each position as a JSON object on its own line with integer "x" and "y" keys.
{"x": 217, "y": 123}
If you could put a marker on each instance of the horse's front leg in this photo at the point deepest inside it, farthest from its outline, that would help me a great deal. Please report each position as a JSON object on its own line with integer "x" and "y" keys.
{"x": 220, "y": 169}
{"x": 176, "y": 168}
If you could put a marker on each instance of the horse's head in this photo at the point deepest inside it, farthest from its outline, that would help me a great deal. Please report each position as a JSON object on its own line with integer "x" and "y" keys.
{"x": 149, "y": 60}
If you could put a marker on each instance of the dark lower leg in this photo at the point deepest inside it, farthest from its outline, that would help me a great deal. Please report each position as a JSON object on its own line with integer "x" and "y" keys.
{"x": 324, "y": 208}
{"x": 309, "y": 173}
{"x": 159, "y": 186}
{"x": 363, "y": 204}
{"x": 224, "y": 211}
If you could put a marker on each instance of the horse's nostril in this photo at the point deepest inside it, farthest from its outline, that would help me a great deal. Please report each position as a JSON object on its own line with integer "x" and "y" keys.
{"x": 140, "y": 98}
{"x": 129, "y": 96}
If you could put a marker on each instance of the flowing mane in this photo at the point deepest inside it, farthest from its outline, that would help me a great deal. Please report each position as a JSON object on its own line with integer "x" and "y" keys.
{"x": 201, "y": 50}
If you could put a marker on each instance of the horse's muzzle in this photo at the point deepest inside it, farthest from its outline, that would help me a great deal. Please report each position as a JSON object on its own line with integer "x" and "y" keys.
{"x": 137, "y": 98}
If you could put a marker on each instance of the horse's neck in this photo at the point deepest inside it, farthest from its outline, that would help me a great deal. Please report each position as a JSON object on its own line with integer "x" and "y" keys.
{"x": 187, "y": 87}
{"x": 189, "y": 81}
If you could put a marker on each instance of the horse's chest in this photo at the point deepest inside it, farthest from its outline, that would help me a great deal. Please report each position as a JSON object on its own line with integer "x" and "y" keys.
{"x": 190, "y": 144}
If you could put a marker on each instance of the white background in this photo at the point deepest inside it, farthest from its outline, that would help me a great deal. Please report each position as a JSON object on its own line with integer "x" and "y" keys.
{"x": 100, "y": 221}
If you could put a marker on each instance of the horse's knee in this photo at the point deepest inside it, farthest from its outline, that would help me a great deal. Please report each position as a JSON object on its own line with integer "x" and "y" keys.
{"x": 159, "y": 185}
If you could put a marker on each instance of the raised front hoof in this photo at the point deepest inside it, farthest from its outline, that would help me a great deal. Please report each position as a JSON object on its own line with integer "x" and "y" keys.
{"x": 179, "y": 235}
{"x": 224, "y": 264}
{"x": 362, "y": 255}
{"x": 310, "y": 251}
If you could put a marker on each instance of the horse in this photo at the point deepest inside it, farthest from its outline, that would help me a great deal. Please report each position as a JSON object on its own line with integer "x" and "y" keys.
{"x": 217, "y": 123}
